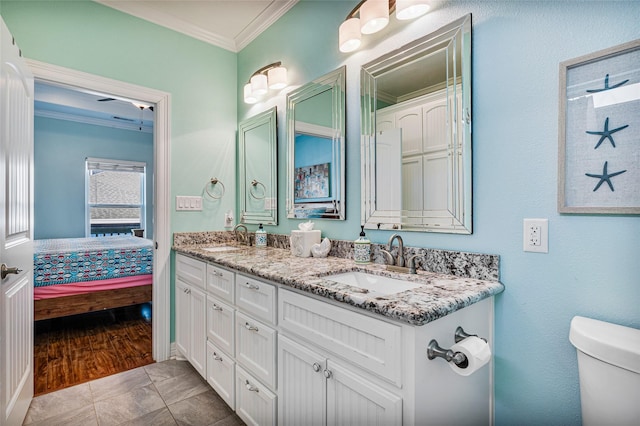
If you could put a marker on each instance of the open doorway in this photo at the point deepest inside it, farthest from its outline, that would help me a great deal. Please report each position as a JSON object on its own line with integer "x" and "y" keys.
{"x": 93, "y": 235}
{"x": 157, "y": 227}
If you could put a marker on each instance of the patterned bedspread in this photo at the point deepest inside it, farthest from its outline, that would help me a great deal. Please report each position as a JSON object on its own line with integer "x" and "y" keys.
{"x": 70, "y": 260}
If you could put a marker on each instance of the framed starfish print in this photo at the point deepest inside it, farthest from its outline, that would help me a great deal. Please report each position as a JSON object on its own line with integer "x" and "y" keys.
{"x": 599, "y": 132}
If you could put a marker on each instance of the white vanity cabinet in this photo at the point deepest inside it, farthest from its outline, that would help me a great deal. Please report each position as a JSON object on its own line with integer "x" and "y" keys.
{"x": 191, "y": 313}
{"x": 316, "y": 390}
{"x": 280, "y": 356}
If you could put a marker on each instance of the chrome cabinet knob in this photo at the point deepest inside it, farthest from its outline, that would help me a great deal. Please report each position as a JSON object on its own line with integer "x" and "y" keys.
{"x": 327, "y": 373}
{"x": 316, "y": 367}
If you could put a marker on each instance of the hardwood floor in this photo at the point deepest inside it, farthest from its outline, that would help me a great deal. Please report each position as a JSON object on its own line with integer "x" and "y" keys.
{"x": 79, "y": 348}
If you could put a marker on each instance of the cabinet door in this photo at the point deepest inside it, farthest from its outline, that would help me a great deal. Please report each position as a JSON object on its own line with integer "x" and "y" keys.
{"x": 410, "y": 121}
{"x": 302, "y": 399}
{"x": 198, "y": 314}
{"x": 220, "y": 325}
{"x": 221, "y": 374}
{"x": 352, "y": 400}
{"x": 183, "y": 329}
{"x": 256, "y": 348}
{"x": 255, "y": 404}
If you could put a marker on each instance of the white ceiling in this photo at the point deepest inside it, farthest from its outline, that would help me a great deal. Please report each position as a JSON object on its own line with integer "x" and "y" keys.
{"x": 229, "y": 24}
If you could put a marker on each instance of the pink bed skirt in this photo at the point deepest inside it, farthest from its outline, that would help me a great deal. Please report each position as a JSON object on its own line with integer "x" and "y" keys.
{"x": 61, "y": 290}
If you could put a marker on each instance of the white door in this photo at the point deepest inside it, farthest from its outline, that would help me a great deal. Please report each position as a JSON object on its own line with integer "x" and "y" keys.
{"x": 16, "y": 233}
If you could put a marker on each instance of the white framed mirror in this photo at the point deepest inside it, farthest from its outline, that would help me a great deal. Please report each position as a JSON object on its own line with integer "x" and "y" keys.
{"x": 315, "y": 143}
{"x": 416, "y": 134}
{"x": 258, "y": 169}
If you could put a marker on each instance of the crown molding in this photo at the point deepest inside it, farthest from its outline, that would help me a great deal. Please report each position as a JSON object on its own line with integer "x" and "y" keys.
{"x": 271, "y": 14}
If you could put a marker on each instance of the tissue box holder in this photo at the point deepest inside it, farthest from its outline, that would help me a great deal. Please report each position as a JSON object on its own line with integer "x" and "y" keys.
{"x": 302, "y": 241}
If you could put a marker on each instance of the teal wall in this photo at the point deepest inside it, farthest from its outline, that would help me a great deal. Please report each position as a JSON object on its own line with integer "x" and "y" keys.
{"x": 201, "y": 79}
{"x": 60, "y": 148}
{"x": 592, "y": 267}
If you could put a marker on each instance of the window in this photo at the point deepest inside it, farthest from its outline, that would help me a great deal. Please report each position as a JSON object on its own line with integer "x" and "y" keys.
{"x": 115, "y": 194}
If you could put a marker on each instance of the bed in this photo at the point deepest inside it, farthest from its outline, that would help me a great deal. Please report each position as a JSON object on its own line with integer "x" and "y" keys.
{"x": 80, "y": 275}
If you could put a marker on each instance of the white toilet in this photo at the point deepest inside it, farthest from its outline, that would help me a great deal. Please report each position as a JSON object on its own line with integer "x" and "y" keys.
{"x": 609, "y": 370}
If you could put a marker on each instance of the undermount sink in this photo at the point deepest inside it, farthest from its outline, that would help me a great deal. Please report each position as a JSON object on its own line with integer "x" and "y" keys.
{"x": 220, "y": 248}
{"x": 375, "y": 285}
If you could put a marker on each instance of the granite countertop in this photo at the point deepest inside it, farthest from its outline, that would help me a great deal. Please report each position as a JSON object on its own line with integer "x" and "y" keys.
{"x": 437, "y": 296}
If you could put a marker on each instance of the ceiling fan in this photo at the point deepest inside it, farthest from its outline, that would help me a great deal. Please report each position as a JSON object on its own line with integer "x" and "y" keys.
{"x": 136, "y": 104}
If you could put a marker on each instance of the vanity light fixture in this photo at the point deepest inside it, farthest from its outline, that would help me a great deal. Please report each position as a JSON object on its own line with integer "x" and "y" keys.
{"x": 272, "y": 76}
{"x": 372, "y": 16}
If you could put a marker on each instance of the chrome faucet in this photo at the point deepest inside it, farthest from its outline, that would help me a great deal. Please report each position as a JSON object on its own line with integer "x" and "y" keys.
{"x": 399, "y": 259}
{"x": 246, "y": 239}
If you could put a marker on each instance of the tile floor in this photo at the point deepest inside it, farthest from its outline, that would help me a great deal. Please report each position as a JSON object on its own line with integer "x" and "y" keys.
{"x": 166, "y": 393}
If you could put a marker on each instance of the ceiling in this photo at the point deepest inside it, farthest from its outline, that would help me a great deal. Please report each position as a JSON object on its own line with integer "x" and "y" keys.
{"x": 229, "y": 24}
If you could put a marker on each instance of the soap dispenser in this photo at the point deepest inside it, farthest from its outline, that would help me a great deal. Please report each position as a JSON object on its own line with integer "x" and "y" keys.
{"x": 362, "y": 248}
{"x": 261, "y": 237}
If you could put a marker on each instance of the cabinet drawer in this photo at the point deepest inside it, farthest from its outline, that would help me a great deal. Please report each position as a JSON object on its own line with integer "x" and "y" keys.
{"x": 372, "y": 344}
{"x": 256, "y": 297}
{"x": 256, "y": 348}
{"x": 221, "y": 374}
{"x": 255, "y": 404}
{"x": 220, "y": 283}
{"x": 220, "y": 324}
{"x": 191, "y": 271}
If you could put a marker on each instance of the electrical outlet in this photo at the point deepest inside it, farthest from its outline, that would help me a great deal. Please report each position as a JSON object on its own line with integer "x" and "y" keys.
{"x": 535, "y": 235}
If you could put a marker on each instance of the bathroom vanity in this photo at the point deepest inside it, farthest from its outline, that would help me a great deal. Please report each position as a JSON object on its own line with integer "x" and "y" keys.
{"x": 283, "y": 343}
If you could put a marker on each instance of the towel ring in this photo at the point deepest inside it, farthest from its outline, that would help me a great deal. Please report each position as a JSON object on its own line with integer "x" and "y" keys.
{"x": 214, "y": 182}
{"x": 254, "y": 185}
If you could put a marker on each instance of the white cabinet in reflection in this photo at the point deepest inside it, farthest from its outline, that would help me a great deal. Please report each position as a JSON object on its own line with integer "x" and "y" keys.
{"x": 415, "y": 164}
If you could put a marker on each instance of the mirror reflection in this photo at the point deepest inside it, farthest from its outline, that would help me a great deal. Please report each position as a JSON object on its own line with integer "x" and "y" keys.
{"x": 315, "y": 133}
{"x": 257, "y": 158}
{"x": 416, "y": 125}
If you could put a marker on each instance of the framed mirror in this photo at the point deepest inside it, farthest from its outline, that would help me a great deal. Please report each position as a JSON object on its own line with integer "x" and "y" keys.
{"x": 258, "y": 169}
{"x": 416, "y": 134}
{"x": 315, "y": 143}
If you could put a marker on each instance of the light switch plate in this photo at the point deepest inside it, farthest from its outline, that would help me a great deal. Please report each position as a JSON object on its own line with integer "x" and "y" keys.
{"x": 535, "y": 235}
{"x": 188, "y": 203}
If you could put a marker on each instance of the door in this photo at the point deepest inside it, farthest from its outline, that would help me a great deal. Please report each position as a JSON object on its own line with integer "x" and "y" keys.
{"x": 16, "y": 233}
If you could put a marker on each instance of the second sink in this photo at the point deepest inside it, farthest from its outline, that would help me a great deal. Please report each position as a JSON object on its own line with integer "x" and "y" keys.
{"x": 376, "y": 285}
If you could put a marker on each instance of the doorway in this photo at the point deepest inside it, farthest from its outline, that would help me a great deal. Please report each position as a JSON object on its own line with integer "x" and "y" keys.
{"x": 56, "y": 75}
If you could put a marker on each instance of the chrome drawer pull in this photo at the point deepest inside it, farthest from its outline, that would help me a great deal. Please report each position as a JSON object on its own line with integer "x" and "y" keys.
{"x": 252, "y": 286}
{"x": 217, "y": 357}
{"x": 250, "y": 327}
{"x": 251, "y": 387}
{"x": 216, "y": 307}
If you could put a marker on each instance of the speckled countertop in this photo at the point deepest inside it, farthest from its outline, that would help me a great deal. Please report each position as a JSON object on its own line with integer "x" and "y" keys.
{"x": 438, "y": 295}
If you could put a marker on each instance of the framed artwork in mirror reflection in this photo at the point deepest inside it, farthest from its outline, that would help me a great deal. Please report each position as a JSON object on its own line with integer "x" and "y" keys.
{"x": 599, "y": 132}
{"x": 312, "y": 183}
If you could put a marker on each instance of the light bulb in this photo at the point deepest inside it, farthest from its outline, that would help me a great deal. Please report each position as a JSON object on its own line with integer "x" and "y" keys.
{"x": 277, "y": 78}
{"x": 248, "y": 96}
{"x": 374, "y": 16}
{"x": 349, "y": 35}
{"x": 259, "y": 84}
{"x": 410, "y": 9}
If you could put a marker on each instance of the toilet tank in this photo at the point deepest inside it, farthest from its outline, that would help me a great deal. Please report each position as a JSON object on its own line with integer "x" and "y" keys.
{"x": 609, "y": 370}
